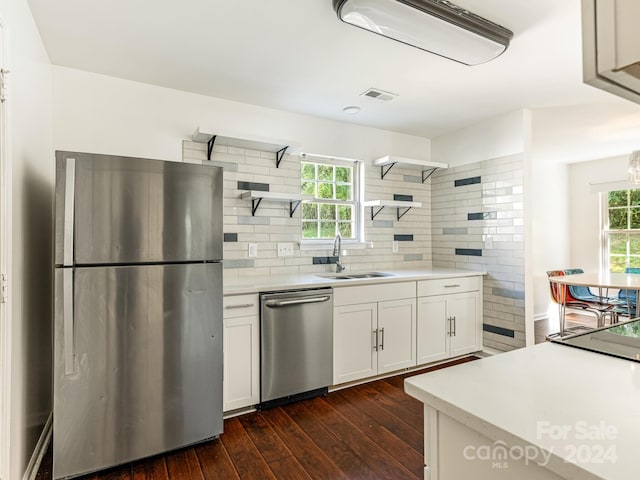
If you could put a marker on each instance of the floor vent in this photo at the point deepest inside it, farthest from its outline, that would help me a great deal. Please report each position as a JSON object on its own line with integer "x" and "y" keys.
{"x": 379, "y": 94}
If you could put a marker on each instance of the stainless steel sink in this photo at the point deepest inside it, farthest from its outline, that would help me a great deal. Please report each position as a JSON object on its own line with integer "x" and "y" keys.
{"x": 350, "y": 276}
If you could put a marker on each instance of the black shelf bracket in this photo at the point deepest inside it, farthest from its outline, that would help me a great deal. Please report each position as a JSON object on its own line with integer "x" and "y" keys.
{"x": 255, "y": 203}
{"x": 293, "y": 206}
{"x": 210, "y": 144}
{"x": 428, "y": 174}
{"x": 384, "y": 172}
{"x": 400, "y": 215}
{"x": 373, "y": 215}
{"x": 280, "y": 155}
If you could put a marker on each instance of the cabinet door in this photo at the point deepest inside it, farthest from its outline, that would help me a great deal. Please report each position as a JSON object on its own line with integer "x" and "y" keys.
{"x": 241, "y": 386}
{"x": 396, "y": 335}
{"x": 432, "y": 329}
{"x": 466, "y": 330}
{"x": 354, "y": 356}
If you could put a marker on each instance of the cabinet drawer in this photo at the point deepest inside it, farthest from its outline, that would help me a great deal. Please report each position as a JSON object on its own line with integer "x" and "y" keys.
{"x": 373, "y": 293}
{"x": 241, "y": 305}
{"x": 448, "y": 285}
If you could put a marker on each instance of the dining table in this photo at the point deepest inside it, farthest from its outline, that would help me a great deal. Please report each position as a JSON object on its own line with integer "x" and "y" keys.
{"x": 603, "y": 281}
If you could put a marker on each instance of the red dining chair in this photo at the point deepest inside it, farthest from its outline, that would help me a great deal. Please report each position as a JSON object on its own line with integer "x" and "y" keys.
{"x": 561, "y": 295}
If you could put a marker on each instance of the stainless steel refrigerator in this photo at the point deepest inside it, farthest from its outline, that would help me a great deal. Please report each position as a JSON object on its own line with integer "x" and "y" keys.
{"x": 138, "y": 309}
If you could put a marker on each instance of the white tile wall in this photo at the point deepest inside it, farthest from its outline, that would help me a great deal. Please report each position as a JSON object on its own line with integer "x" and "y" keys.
{"x": 500, "y": 191}
{"x": 272, "y": 223}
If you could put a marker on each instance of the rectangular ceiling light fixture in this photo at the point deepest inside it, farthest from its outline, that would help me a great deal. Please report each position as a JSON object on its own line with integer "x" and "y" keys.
{"x": 436, "y": 26}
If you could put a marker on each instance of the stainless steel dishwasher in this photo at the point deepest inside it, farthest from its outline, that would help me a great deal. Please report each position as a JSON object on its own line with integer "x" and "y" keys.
{"x": 296, "y": 346}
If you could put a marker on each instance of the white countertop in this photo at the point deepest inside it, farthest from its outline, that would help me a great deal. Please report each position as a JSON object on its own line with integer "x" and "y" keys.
{"x": 525, "y": 396}
{"x": 288, "y": 282}
{"x": 602, "y": 279}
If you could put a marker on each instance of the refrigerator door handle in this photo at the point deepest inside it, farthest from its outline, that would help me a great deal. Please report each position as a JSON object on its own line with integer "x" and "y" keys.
{"x": 67, "y": 318}
{"x": 69, "y": 211}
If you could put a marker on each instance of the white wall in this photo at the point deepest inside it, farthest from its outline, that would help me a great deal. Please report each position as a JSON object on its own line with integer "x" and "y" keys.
{"x": 584, "y": 207}
{"x": 551, "y": 229}
{"x": 30, "y": 142}
{"x": 498, "y": 137}
{"x": 566, "y": 217}
{"x": 96, "y": 113}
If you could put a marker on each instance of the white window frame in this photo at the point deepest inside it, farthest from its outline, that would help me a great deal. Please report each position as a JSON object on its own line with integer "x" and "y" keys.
{"x": 605, "y": 232}
{"x": 358, "y": 196}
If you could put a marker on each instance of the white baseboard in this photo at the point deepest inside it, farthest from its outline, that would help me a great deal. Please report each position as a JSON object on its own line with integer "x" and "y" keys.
{"x": 488, "y": 352}
{"x": 38, "y": 453}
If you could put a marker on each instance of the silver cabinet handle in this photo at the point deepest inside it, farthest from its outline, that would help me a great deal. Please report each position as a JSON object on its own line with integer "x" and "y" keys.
{"x": 69, "y": 211}
{"x": 382, "y": 338}
{"x": 451, "y": 286}
{"x": 449, "y": 325}
{"x": 286, "y": 303}
{"x": 375, "y": 344}
{"x": 240, "y": 305}
{"x": 454, "y": 326}
{"x": 67, "y": 319}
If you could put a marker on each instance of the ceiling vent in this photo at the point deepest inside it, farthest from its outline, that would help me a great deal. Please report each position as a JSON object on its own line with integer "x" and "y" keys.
{"x": 379, "y": 94}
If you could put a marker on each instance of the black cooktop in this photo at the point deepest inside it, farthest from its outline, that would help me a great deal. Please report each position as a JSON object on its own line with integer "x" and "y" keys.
{"x": 621, "y": 340}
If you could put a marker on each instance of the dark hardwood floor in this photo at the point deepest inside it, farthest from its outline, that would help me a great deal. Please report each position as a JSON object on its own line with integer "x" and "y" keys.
{"x": 370, "y": 431}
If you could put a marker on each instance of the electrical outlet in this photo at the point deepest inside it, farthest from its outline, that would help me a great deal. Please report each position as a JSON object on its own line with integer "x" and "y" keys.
{"x": 285, "y": 249}
{"x": 253, "y": 250}
{"x": 394, "y": 246}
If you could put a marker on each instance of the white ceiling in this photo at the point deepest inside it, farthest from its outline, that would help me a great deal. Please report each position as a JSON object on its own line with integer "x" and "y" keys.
{"x": 296, "y": 55}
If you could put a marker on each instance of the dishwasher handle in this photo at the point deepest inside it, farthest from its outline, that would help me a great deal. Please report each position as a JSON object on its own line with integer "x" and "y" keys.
{"x": 300, "y": 301}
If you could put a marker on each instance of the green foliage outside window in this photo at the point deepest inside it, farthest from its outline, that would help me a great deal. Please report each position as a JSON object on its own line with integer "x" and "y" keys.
{"x": 623, "y": 208}
{"x": 330, "y": 185}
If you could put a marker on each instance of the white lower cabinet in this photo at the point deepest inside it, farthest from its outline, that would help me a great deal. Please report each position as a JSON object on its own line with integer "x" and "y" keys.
{"x": 449, "y": 324}
{"x": 354, "y": 338}
{"x": 241, "y": 384}
{"x": 377, "y": 329}
{"x": 374, "y": 337}
{"x": 396, "y": 335}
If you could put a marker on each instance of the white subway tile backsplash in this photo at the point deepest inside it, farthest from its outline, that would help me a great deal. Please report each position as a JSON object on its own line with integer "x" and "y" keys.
{"x": 272, "y": 223}
{"x": 500, "y": 190}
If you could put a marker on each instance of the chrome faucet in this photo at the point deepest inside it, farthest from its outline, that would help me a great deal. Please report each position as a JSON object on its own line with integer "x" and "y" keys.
{"x": 337, "y": 242}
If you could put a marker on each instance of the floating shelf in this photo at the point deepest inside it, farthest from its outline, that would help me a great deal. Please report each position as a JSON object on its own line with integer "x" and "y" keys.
{"x": 427, "y": 167}
{"x": 380, "y": 204}
{"x": 279, "y": 147}
{"x": 293, "y": 199}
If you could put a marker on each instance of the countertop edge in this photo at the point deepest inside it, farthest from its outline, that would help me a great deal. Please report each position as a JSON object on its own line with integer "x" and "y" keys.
{"x": 310, "y": 281}
{"x": 557, "y": 463}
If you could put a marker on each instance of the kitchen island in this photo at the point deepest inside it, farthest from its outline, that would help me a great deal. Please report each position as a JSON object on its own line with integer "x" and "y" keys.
{"x": 544, "y": 412}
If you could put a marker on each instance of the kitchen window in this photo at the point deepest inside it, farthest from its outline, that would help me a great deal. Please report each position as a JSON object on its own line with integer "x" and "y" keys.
{"x": 335, "y": 186}
{"x": 621, "y": 230}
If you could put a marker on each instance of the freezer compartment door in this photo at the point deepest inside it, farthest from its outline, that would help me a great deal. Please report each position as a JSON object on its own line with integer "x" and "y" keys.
{"x": 146, "y": 363}
{"x": 132, "y": 210}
